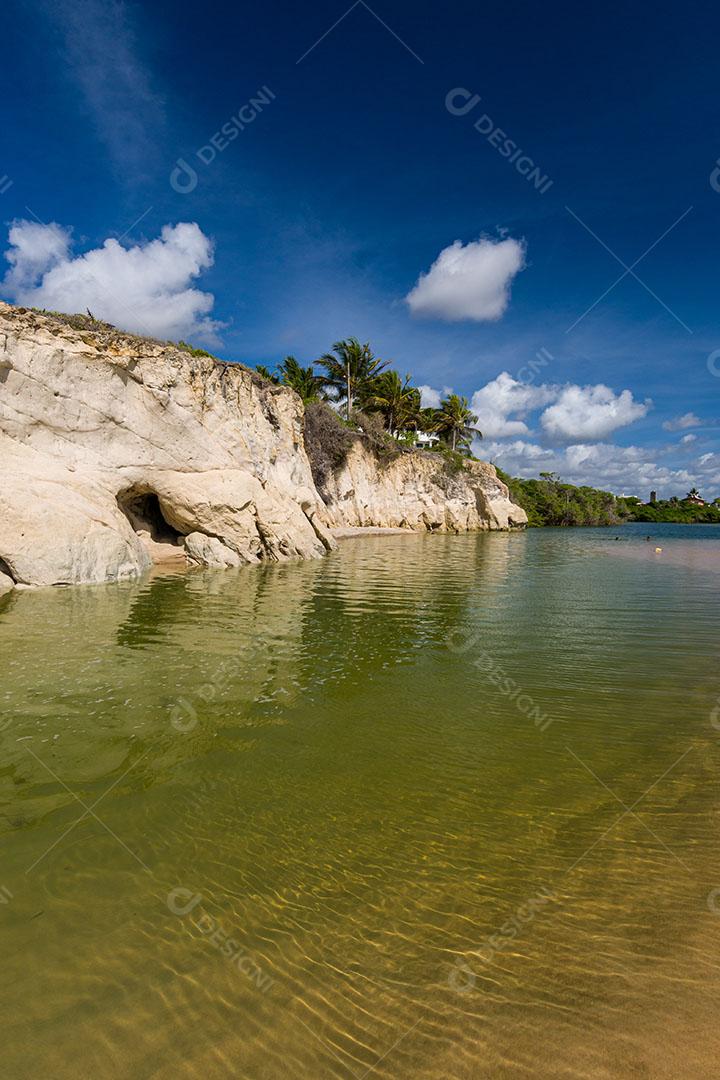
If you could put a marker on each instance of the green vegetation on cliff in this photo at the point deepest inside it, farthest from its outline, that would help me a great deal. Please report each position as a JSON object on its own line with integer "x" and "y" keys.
{"x": 356, "y": 381}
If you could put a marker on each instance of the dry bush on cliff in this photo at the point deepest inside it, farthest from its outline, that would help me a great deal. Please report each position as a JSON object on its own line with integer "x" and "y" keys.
{"x": 327, "y": 441}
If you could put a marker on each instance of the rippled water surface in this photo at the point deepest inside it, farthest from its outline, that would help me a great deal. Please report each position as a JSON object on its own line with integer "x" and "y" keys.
{"x": 431, "y": 807}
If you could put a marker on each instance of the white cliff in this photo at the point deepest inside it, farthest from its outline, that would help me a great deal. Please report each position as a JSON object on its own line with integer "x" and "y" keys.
{"x": 420, "y": 491}
{"x": 114, "y": 448}
{"x": 117, "y": 451}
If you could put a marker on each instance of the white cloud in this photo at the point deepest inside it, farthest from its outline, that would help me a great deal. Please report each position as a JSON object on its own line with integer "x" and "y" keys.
{"x": 687, "y": 420}
{"x": 430, "y": 398}
{"x": 495, "y": 401}
{"x": 520, "y": 458}
{"x": 468, "y": 282}
{"x": 688, "y": 438}
{"x": 145, "y": 288}
{"x": 591, "y": 412}
{"x": 624, "y": 470}
{"x": 34, "y": 249}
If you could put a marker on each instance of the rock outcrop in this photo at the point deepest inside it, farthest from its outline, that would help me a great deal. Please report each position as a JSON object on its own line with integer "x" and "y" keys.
{"x": 114, "y": 449}
{"x": 118, "y": 451}
{"x": 420, "y": 491}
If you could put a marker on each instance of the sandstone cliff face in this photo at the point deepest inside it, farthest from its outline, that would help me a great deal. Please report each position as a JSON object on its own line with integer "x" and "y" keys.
{"x": 117, "y": 451}
{"x": 114, "y": 449}
{"x": 418, "y": 491}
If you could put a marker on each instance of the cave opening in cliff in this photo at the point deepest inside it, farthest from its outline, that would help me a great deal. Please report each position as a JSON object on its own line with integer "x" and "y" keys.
{"x": 142, "y": 509}
{"x": 5, "y": 569}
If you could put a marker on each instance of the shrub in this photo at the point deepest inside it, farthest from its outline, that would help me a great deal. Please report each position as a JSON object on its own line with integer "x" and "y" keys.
{"x": 327, "y": 441}
{"x": 548, "y": 501}
{"x": 454, "y": 460}
{"x": 192, "y": 349}
{"x": 371, "y": 428}
{"x": 76, "y": 321}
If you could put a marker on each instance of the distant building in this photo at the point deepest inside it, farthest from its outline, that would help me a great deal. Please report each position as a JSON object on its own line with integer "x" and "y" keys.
{"x": 694, "y": 498}
{"x": 653, "y": 497}
{"x": 424, "y": 439}
{"x": 419, "y": 438}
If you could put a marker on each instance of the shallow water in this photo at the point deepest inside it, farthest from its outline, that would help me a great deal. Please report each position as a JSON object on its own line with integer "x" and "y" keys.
{"x": 431, "y": 807}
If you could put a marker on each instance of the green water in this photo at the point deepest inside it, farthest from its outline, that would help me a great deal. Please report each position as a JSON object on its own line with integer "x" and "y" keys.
{"x": 339, "y": 818}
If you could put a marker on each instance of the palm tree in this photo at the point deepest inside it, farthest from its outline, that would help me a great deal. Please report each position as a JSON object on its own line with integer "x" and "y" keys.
{"x": 455, "y": 420}
{"x": 395, "y": 399}
{"x": 693, "y": 493}
{"x": 427, "y": 420}
{"x": 266, "y": 373}
{"x": 302, "y": 380}
{"x": 350, "y": 369}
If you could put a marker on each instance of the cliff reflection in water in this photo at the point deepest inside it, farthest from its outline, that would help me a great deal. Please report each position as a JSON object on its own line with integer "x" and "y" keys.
{"x": 98, "y": 677}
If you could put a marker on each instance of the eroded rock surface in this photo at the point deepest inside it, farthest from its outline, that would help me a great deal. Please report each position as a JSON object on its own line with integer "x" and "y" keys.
{"x": 114, "y": 449}
{"x": 419, "y": 491}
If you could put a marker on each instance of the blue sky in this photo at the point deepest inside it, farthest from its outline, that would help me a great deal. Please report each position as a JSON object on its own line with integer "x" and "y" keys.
{"x": 366, "y": 155}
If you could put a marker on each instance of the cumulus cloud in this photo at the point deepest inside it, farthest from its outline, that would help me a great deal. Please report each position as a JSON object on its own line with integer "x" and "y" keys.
{"x": 430, "y": 398}
{"x": 34, "y": 249}
{"x": 497, "y": 400}
{"x": 145, "y": 288}
{"x": 624, "y": 470}
{"x": 582, "y": 417}
{"x": 575, "y": 412}
{"x": 469, "y": 281}
{"x": 521, "y": 458}
{"x": 687, "y": 420}
{"x": 591, "y": 412}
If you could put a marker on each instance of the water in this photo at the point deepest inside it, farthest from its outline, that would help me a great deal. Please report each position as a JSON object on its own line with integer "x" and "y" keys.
{"x": 431, "y": 807}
